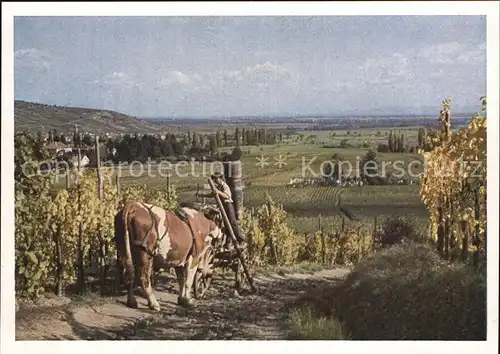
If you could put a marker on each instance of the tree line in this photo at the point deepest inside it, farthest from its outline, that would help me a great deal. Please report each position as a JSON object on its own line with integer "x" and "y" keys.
{"x": 140, "y": 147}
{"x": 397, "y": 142}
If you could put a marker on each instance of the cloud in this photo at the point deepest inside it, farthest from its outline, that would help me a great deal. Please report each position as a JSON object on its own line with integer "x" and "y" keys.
{"x": 32, "y": 58}
{"x": 386, "y": 70}
{"x": 454, "y": 53}
{"x": 177, "y": 78}
{"x": 477, "y": 55}
{"x": 118, "y": 80}
{"x": 260, "y": 75}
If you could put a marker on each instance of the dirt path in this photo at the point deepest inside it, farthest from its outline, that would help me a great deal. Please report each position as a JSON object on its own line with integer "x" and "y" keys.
{"x": 221, "y": 315}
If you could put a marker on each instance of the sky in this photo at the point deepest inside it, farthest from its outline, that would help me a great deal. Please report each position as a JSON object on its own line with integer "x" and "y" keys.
{"x": 240, "y": 66}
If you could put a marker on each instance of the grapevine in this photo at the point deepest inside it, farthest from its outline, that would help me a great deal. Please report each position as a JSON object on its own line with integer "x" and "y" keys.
{"x": 455, "y": 177}
{"x": 44, "y": 221}
{"x": 33, "y": 265}
{"x": 273, "y": 241}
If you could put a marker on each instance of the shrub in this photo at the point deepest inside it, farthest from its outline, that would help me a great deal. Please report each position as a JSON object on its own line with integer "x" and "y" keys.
{"x": 395, "y": 231}
{"x": 344, "y": 143}
{"x": 382, "y": 148}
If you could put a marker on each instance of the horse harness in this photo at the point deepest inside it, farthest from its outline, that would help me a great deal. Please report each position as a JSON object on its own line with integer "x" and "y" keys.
{"x": 144, "y": 243}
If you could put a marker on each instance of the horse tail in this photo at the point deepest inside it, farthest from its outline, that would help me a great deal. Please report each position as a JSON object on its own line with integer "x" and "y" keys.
{"x": 128, "y": 263}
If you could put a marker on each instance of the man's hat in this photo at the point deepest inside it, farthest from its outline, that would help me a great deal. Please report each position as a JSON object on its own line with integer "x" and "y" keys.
{"x": 217, "y": 175}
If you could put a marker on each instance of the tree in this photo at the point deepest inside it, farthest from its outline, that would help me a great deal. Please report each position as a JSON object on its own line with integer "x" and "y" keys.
{"x": 51, "y": 137}
{"x": 243, "y": 137}
{"x": 248, "y": 137}
{"x": 235, "y": 154}
{"x": 180, "y": 147}
{"x": 194, "y": 140}
{"x": 218, "y": 138}
{"x": 237, "y": 136}
{"x": 344, "y": 143}
{"x": 421, "y": 137}
{"x": 383, "y": 148}
{"x": 63, "y": 139}
{"x": 332, "y": 168}
{"x": 29, "y": 154}
{"x": 77, "y": 140}
{"x": 214, "y": 149}
{"x": 369, "y": 166}
{"x": 87, "y": 140}
{"x": 39, "y": 136}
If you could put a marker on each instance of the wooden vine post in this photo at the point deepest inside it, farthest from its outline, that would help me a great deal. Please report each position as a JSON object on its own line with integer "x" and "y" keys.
{"x": 465, "y": 240}
{"x": 81, "y": 269}
{"x": 476, "y": 239}
{"x": 68, "y": 178}
{"x": 231, "y": 236}
{"x": 117, "y": 181}
{"x": 168, "y": 188}
{"x": 102, "y": 241}
{"x": 272, "y": 240}
{"x": 323, "y": 239}
{"x": 59, "y": 278}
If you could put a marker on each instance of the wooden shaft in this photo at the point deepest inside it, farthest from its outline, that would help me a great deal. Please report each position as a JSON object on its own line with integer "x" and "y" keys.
{"x": 231, "y": 235}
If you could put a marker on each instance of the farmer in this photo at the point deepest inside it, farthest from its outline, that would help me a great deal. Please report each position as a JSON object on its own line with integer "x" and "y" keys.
{"x": 225, "y": 196}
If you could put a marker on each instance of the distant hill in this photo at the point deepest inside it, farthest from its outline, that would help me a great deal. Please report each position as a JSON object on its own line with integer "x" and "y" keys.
{"x": 30, "y": 116}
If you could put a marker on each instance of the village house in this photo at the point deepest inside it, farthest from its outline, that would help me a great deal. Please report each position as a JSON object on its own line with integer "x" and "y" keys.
{"x": 55, "y": 148}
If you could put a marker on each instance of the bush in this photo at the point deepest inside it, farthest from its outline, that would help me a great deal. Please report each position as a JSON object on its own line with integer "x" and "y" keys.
{"x": 382, "y": 148}
{"x": 395, "y": 231}
{"x": 235, "y": 154}
{"x": 344, "y": 143}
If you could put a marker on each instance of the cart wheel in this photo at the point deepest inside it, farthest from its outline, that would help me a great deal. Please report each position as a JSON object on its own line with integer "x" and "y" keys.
{"x": 203, "y": 276}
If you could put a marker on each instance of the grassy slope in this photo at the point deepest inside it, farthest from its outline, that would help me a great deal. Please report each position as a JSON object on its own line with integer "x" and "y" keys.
{"x": 33, "y": 116}
{"x": 404, "y": 292}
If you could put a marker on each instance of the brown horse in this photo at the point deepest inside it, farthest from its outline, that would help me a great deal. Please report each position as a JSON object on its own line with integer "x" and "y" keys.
{"x": 150, "y": 236}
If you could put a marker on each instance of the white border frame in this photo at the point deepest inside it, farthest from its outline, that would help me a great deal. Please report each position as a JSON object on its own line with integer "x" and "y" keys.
{"x": 489, "y": 8}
